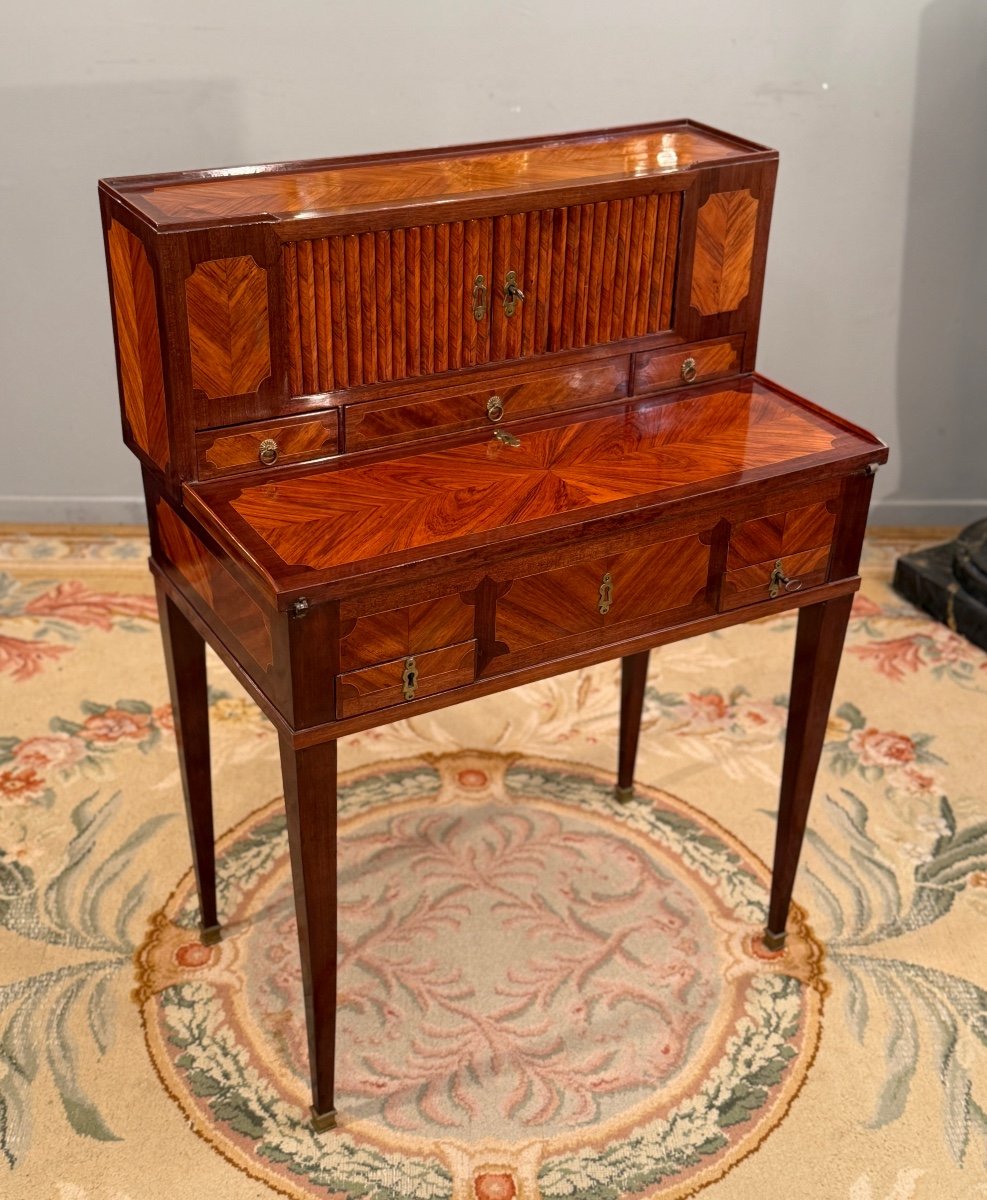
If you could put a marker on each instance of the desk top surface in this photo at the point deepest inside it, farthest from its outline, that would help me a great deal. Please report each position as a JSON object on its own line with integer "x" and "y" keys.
{"x": 312, "y": 526}
{"x": 295, "y": 191}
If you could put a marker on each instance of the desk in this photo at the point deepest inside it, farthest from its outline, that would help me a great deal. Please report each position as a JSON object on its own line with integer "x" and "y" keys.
{"x": 403, "y": 448}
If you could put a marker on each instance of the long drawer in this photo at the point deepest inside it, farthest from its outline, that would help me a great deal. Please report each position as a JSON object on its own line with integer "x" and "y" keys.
{"x": 386, "y": 422}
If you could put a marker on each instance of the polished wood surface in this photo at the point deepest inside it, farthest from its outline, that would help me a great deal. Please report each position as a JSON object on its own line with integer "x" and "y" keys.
{"x": 381, "y": 481}
{"x": 138, "y": 343}
{"x": 507, "y": 169}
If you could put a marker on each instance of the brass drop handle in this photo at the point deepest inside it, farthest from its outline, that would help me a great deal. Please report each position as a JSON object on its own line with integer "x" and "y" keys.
{"x": 479, "y": 297}
{"x": 495, "y": 408}
{"x": 606, "y": 594}
{"x": 512, "y": 293}
{"x": 268, "y": 452}
{"x": 506, "y": 439}
{"x": 409, "y": 678}
{"x": 689, "y": 370}
{"x": 780, "y": 581}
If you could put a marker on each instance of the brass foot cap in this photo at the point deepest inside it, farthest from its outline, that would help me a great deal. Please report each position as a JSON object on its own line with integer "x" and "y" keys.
{"x": 209, "y": 935}
{"x": 774, "y": 941}
{"x": 323, "y": 1121}
{"x": 623, "y": 794}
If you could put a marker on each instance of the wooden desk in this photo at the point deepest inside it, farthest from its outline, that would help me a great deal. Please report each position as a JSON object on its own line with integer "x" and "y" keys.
{"x": 423, "y": 427}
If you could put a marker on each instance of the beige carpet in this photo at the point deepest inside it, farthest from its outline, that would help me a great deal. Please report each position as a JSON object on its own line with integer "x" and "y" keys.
{"x": 541, "y": 994}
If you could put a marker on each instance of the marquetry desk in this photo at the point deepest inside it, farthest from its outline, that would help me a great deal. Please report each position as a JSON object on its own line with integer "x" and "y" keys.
{"x": 420, "y": 427}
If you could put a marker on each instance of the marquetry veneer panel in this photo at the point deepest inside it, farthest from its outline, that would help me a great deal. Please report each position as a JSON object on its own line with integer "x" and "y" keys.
{"x": 721, "y": 272}
{"x": 135, "y": 316}
{"x": 225, "y": 451}
{"x": 414, "y": 629}
{"x": 229, "y": 339}
{"x": 782, "y": 533}
{"x": 395, "y": 304}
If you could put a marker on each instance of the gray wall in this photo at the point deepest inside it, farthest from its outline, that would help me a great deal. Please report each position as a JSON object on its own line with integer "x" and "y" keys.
{"x": 876, "y": 293}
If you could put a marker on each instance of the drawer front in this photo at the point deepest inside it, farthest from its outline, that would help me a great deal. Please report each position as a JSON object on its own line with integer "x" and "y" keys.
{"x": 256, "y": 447}
{"x": 768, "y": 538}
{"x": 372, "y": 307}
{"x": 657, "y": 369}
{"x": 781, "y": 576}
{"x": 411, "y": 677}
{"x": 386, "y": 422}
{"x": 383, "y": 637}
{"x": 601, "y": 592}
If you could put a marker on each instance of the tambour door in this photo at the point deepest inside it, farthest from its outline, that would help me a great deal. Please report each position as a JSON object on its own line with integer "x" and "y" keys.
{"x": 366, "y": 308}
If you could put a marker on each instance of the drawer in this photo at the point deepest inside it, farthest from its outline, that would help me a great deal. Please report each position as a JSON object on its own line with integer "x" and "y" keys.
{"x": 645, "y": 585}
{"x": 657, "y": 369}
{"x": 385, "y": 422}
{"x": 410, "y": 677}
{"x": 768, "y": 538}
{"x": 792, "y": 573}
{"x": 258, "y": 447}
{"x": 381, "y": 637}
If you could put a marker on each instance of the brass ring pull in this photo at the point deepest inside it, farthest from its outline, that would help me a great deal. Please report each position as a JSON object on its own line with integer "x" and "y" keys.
{"x": 409, "y": 678}
{"x": 606, "y": 593}
{"x": 689, "y": 370}
{"x": 495, "y": 408}
{"x": 268, "y": 452}
{"x": 512, "y": 294}
{"x": 780, "y": 581}
{"x": 479, "y": 297}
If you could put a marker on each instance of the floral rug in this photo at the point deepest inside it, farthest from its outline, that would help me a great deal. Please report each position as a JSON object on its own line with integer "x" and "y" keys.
{"x": 543, "y": 994}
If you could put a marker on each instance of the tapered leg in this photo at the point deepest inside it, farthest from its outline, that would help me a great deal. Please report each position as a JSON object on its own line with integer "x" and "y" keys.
{"x": 185, "y": 658}
{"x": 818, "y": 646}
{"x": 633, "y": 677}
{"x": 310, "y": 803}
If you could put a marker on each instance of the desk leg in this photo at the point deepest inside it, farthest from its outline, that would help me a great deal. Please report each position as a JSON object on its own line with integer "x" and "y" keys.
{"x": 818, "y": 646}
{"x": 185, "y": 659}
{"x": 633, "y": 677}
{"x": 310, "y": 804}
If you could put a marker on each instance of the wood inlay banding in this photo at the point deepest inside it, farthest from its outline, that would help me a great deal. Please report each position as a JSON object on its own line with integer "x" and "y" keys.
{"x": 590, "y": 274}
{"x": 229, "y": 338}
{"x": 139, "y": 344}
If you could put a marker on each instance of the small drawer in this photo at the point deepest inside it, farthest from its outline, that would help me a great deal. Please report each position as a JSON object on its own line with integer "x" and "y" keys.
{"x": 657, "y": 369}
{"x": 765, "y": 539}
{"x": 644, "y": 585}
{"x": 260, "y": 447}
{"x": 386, "y": 422}
{"x": 411, "y": 677}
{"x": 380, "y": 637}
{"x": 793, "y": 573}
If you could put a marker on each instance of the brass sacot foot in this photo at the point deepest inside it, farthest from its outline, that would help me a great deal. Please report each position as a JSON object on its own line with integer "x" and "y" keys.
{"x": 323, "y": 1121}
{"x": 209, "y": 935}
{"x": 623, "y": 794}
{"x": 775, "y": 941}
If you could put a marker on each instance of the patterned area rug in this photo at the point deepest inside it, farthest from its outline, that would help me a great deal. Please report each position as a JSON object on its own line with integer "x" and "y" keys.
{"x": 543, "y": 994}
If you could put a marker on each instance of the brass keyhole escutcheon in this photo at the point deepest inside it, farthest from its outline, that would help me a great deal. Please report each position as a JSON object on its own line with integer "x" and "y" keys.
{"x": 409, "y": 678}
{"x": 512, "y": 294}
{"x": 495, "y": 408}
{"x": 780, "y": 582}
{"x": 689, "y": 370}
{"x": 268, "y": 452}
{"x": 479, "y": 297}
{"x": 606, "y": 594}
{"x": 506, "y": 439}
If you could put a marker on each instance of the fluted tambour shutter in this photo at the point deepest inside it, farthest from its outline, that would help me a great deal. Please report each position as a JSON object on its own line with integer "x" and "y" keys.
{"x": 365, "y": 308}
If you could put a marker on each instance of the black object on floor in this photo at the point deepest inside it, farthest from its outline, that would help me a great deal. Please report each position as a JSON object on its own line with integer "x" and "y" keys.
{"x": 949, "y": 581}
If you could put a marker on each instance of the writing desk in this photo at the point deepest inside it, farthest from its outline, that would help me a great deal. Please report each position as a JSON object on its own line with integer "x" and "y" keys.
{"x": 417, "y": 428}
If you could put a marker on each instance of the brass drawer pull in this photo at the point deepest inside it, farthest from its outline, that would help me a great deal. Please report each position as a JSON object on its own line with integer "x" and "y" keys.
{"x": 512, "y": 294}
{"x": 779, "y": 581}
{"x": 495, "y": 408}
{"x": 268, "y": 452}
{"x": 409, "y": 679}
{"x": 505, "y": 438}
{"x": 689, "y": 370}
{"x": 606, "y": 594}
{"x": 479, "y": 297}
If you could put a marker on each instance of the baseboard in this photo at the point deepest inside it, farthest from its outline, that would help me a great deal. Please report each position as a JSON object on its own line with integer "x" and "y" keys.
{"x": 73, "y": 510}
{"x": 927, "y": 512}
